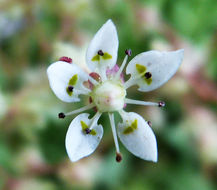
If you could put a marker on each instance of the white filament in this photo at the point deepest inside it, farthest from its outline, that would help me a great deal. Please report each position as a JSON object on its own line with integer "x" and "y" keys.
{"x": 89, "y": 106}
{"x": 112, "y": 121}
{"x": 138, "y": 102}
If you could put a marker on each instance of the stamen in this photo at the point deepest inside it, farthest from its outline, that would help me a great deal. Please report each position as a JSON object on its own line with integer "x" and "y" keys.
{"x": 118, "y": 157}
{"x": 100, "y": 52}
{"x": 148, "y": 75}
{"x": 112, "y": 121}
{"x": 92, "y": 80}
{"x": 128, "y": 53}
{"x": 61, "y": 115}
{"x": 95, "y": 76}
{"x": 138, "y": 102}
{"x": 70, "y": 88}
{"x": 161, "y": 104}
{"x": 149, "y": 123}
{"x": 66, "y": 59}
{"x": 89, "y": 106}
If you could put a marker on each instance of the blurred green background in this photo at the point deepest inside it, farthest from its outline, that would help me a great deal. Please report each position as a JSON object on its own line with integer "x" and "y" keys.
{"x": 35, "y": 33}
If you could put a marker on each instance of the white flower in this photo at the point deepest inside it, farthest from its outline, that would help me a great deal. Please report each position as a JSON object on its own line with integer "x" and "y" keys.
{"x": 107, "y": 90}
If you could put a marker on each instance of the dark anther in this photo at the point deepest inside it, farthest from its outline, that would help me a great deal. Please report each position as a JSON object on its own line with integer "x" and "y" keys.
{"x": 118, "y": 157}
{"x": 70, "y": 88}
{"x": 149, "y": 123}
{"x": 61, "y": 115}
{"x": 148, "y": 75}
{"x": 128, "y": 52}
{"x": 66, "y": 59}
{"x": 100, "y": 52}
{"x": 87, "y": 131}
{"x": 161, "y": 104}
{"x": 96, "y": 76}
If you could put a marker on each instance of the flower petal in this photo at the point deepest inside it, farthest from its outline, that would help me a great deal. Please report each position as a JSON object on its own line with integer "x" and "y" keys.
{"x": 61, "y": 75}
{"x": 79, "y": 143}
{"x": 137, "y": 136}
{"x": 152, "y": 69}
{"x": 106, "y": 39}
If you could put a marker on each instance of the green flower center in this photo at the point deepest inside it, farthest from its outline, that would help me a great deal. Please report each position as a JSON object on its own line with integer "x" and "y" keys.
{"x": 109, "y": 96}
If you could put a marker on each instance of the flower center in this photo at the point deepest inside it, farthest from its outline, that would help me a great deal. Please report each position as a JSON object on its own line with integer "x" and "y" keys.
{"x": 109, "y": 96}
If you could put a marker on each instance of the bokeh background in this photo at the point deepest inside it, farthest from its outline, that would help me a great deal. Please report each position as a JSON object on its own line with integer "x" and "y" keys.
{"x": 35, "y": 33}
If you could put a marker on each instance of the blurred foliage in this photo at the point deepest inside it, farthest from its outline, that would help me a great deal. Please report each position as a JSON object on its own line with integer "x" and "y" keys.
{"x": 32, "y": 150}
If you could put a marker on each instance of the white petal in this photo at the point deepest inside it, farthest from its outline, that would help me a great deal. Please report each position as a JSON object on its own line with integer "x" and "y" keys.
{"x": 138, "y": 138}
{"x": 59, "y": 75}
{"x": 78, "y": 143}
{"x": 106, "y": 39}
{"x": 161, "y": 65}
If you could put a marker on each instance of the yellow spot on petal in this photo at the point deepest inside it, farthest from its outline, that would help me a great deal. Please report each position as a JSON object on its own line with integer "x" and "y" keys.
{"x": 106, "y": 56}
{"x": 96, "y": 58}
{"x": 131, "y": 128}
{"x": 141, "y": 69}
{"x": 73, "y": 80}
{"x": 93, "y": 132}
{"x": 68, "y": 91}
{"x": 148, "y": 81}
{"x": 85, "y": 127}
{"x": 128, "y": 130}
{"x": 134, "y": 124}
